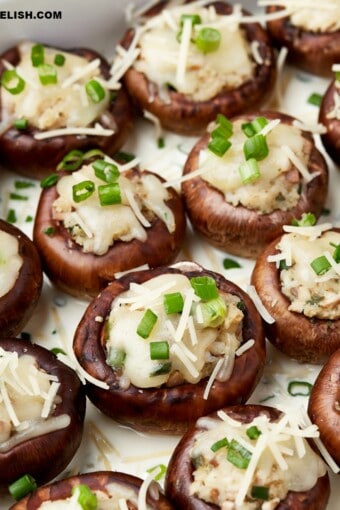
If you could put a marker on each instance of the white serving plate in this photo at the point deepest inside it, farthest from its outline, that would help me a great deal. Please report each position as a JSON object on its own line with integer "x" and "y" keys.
{"x": 99, "y": 24}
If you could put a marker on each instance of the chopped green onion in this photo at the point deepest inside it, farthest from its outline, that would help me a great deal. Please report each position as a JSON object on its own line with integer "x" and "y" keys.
{"x": 59, "y": 59}
{"x": 95, "y": 91}
{"x": 47, "y": 74}
{"x": 205, "y": 287}
{"x": 85, "y": 497}
{"x": 72, "y": 161}
{"x": 320, "y": 265}
{"x": 116, "y": 357}
{"x": 20, "y": 124}
{"x": 21, "y": 487}
{"x": 49, "y": 231}
{"x": 147, "y": 323}
{"x": 336, "y": 253}
{"x": 49, "y": 181}
{"x": 213, "y": 312}
{"x": 219, "y": 145}
{"x": 208, "y": 39}
{"x": 253, "y": 432}
{"x": 29, "y": 218}
{"x": 306, "y": 220}
{"x": 161, "y": 369}
{"x": 173, "y": 303}
{"x": 221, "y": 443}
{"x": 82, "y": 190}
{"x": 92, "y": 153}
{"x": 16, "y": 196}
{"x": 315, "y": 99}
{"x": 37, "y": 55}
{"x": 23, "y": 184}
{"x": 124, "y": 157}
{"x": 11, "y": 216}
{"x": 58, "y": 350}
{"x": 12, "y": 82}
{"x": 161, "y": 142}
{"x": 159, "y": 350}
{"x": 249, "y": 171}
{"x": 238, "y": 455}
{"x": 225, "y": 125}
{"x": 299, "y": 388}
{"x": 256, "y": 147}
{"x": 105, "y": 171}
{"x": 254, "y": 127}
{"x": 109, "y": 194}
{"x": 260, "y": 492}
{"x": 230, "y": 263}
{"x": 160, "y": 469}
{"x": 194, "y": 18}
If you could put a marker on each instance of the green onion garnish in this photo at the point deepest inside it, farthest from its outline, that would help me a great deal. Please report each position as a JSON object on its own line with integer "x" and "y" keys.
{"x": 20, "y": 124}
{"x": 238, "y": 455}
{"x": 47, "y": 74}
{"x": 219, "y": 141}
{"x": 21, "y": 487}
{"x": 260, "y": 492}
{"x": 299, "y": 388}
{"x": 219, "y": 145}
{"x": 161, "y": 369}
{"x": 208, "y": 39}
{"x": 95, "y": 91}
{"x": 37, "y": 55}
{"x": 230, "y": 263}
{"x": 256, "y": 147}
{"x": 320, "y": 265}
{"x": 161, "y": 142}
{"x": 49, "y": 231}
{"x": 254, "y": 127}
{"x": 124, "y": 157}
{"x": 109, "y": 194}
{"x": 105, "y": 171}
{"x": 82, "y": 190}
{"x": 336, "y": 253}
{"x": 173, "y": 303}
{"x": 28, "y": 218}
{"x": 23, "y": 184}
{"x": 249, "y": 171}
{"x": 159, "y": 350}
{"x": 16, "y": 196}
{"x": 12, "y": 82}
{"x": 306, "y": 220}
{"x": 59, "y": 59}
{"x": 11, "y": 216}
{"x": 49, "y": 181}
{"x": 57, "y": 350}
{"x": 315, "y": 99}
{"x": 219, "y": 444}
{"x": 160, "y": 469}
{"x": 116, "y": 357}
{"x": 72, "y": 161}
{"x": 85, "y": 497}
{"x": 213, "y": 312}
{"x": 147, "y": 323}
{"x": 194, "y": 18}
{"x": 205, "y": 287}
{"x": 253, "y": 432}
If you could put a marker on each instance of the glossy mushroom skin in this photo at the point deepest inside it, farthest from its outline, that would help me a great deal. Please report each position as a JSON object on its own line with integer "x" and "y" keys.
{"x": 45, "y": 456}
{"x": 313, "y": 52}
{"x": 96, "y": 481}
{"x": 324, "y": 408}
{"x": 308, "y": 340}
{"x": 180, "y": 469}
{"x": 183, "y": 115}
{"x": 165, "y": 409}
{"x": 236, "y": 229}
{"x": 85, "y": 274}
{"x": 36, "y": 159}
{"x": 18, "y": 305}
{"x": 330, "y": 139}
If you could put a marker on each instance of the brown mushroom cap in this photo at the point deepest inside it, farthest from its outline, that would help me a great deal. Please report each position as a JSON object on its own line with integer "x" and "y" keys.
{"x": 324, "y": 405}
{"x": 313, "y": 52}
{"x": 308, "y": 340}
{"x": 185, "y": 116}
{"x": 36, "y": 159}
{"x": 180, "y": 469}
{"x": 330, "y": 139}
{"x": 18, "y": 305}
{"x": 96, "y": 481}
{"x": 85, "y": 274}
{"x": 45, "y": 456}
{"x": 165, "y": 409}
{"x": 236, "y": 229}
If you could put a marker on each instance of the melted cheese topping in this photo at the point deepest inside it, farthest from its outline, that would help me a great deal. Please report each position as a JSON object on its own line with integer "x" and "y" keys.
{"x": 279, "y": 459}
{"x": 10, "y": 262}
{"x": 96, "y": 227}
{"x": 278, "y": 185}
{"x": 27, "y": 394}
{"x": 194, "y": 347}
{"x": 312, "y": 295}
{"x": 180, "y": 63}
{"x": 61, "y": 105}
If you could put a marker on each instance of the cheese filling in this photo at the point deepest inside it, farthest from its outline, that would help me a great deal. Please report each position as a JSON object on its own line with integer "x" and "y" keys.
{"x": 10, "y": 262}
{"x": 96, "y": 227}
{"x": 169, "y": 55}
{"x": 64, "y": 104}
{"x": 278, "y": 184}
{"x": 231, "y": 458}
{"x": 311, "y": 294}
{"x": 197, "y": 337}
{"x": 27, "y": 398}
